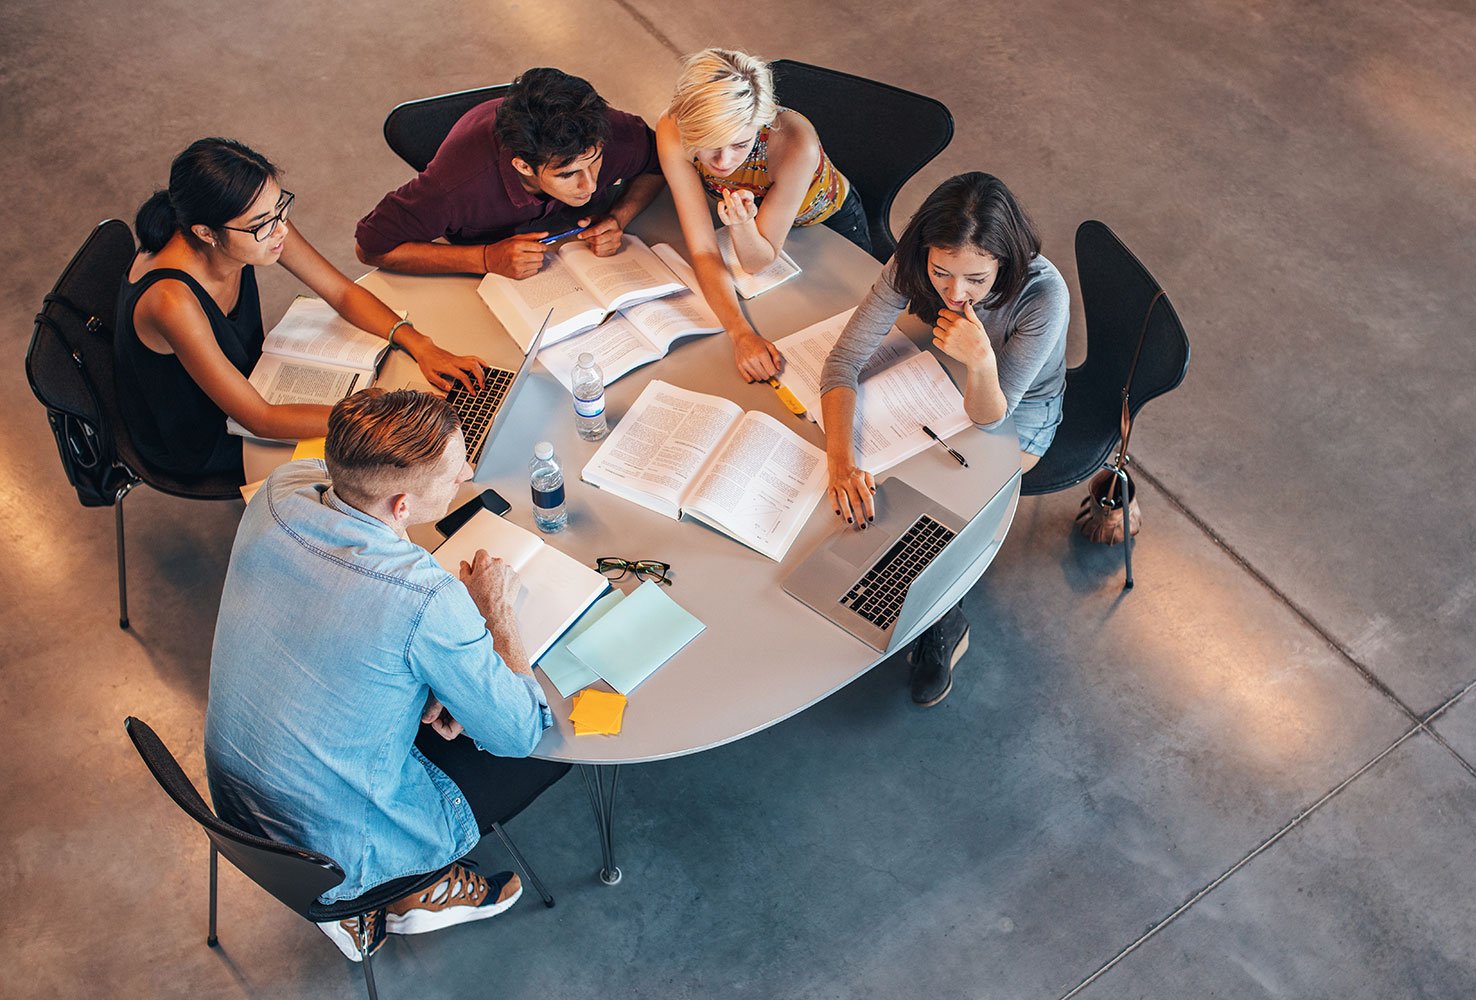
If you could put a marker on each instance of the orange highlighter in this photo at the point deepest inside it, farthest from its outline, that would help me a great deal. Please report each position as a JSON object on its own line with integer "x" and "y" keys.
{"x": 789, "y": 399}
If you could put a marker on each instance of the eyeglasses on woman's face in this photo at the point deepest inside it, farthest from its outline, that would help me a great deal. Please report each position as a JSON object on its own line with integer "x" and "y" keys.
{"x": 264, "y": 231}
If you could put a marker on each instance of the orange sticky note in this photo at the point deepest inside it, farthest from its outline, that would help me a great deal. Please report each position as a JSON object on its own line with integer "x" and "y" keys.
{"x": 309, "y": 448}
{"x": 597, "y": 712}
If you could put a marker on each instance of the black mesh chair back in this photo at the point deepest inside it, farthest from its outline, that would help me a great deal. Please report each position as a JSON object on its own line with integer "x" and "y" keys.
{"x": 416, "y": 129}
{"x": 296, "y": 877}
{"x": 70, "y": 367}
{"x": 878, "y": 135}
{"x": 1116, "y": 291}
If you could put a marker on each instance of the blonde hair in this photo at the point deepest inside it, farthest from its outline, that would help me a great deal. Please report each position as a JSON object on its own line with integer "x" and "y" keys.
{"x": 720, "y": 95}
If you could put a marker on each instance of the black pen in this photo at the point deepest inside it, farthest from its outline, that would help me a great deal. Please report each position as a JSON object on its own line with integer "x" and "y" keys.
{"x": 961, "y": 460}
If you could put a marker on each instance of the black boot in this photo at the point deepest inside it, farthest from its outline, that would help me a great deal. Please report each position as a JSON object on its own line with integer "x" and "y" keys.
{"x": 934, "y": 655}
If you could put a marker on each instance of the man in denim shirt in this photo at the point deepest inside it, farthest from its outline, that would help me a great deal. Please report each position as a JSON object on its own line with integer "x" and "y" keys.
{"x": 347, "y": 662}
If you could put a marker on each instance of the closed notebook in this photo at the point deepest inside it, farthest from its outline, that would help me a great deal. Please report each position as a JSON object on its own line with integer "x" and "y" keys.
{"x": 632, "y": 640}
{"x": 568, "y": 672}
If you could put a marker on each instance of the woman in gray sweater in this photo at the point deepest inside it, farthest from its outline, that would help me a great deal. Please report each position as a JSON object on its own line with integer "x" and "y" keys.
{"x": 969, "y": 263}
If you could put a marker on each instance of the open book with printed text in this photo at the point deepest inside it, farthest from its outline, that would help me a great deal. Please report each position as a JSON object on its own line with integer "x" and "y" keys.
{"x": 581, "y": 289}
{"x": 638, "y": 334}
{"x": 313, "y": 355}
{"x": 683, "y": 453}
{"x": 901, "y": 388}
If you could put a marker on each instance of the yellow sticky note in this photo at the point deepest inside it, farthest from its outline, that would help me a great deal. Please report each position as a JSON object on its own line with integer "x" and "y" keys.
{"x": 597, "y": 712}
{"x": 309, "y": 448}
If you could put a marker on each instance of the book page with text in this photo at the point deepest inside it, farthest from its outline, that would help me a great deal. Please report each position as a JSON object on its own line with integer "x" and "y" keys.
{"x": 283, "y": 380}
{"x": 634, "y": 274}
{"x": 310, "y": 330}
{"x": 805, "y": 353}
{"x": 892, "y": 406}
{"x": 761, "y": 485}
{"x": 520, "y": 305}
{"x": 660, "y": 446}
{"x": 617, "y": 345}
{"x": 753, "y": 285}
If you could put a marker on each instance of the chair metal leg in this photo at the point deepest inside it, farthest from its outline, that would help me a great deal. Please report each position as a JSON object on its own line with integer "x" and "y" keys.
{"x": 123, "y": 491}
{"x": 211, "y": 940}
{"x": 522, "y": 864}
{"x": 368, "y": 961}
{"x": 1127, "y": 535}
{"x": 603, "y": 803}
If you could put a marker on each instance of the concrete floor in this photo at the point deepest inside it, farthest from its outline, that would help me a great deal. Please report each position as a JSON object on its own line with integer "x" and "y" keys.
{"x": 1250, "y": 777}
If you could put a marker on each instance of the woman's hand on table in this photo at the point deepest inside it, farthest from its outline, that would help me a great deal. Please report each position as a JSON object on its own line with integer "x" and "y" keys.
{"x": 851, "y": 494}
{"x": 757, "y": 359}
{"x": 443, "y": 369}
{"x": 962, "y": 338}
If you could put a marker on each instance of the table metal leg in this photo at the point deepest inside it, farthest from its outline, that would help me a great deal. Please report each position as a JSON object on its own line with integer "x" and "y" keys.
{"x": 602, "y": 800}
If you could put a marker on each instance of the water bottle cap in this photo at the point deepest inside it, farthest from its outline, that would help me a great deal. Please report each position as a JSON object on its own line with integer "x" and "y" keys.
{"x": 586, "y": 360}
{"x": 543, "y": 450}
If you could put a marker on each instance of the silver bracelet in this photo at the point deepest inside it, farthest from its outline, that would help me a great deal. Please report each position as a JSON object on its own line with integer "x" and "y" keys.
{"x": 394, "y": 329}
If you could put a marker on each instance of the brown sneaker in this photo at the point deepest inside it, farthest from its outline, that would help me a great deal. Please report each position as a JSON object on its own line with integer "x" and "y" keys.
{"x": 459, "y": 896}
{"x": 345, "y": 934}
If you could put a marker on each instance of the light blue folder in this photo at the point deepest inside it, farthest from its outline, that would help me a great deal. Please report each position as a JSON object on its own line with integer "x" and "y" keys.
{"x": 631, "y": 641}
{"x": 568, "y": 672}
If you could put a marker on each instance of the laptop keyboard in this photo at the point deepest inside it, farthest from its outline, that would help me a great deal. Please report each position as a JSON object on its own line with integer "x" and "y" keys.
{"x": 879, "y": 594}
{"x": 476, "y": 409}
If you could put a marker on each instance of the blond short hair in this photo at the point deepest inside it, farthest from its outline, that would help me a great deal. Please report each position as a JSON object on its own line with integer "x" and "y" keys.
{"x": 720, "y": 95}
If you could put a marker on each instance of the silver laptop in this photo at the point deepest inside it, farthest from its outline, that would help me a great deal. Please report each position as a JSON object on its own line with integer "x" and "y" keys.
{"x": 483, "y": 412}
{"x": 878, "y": 584}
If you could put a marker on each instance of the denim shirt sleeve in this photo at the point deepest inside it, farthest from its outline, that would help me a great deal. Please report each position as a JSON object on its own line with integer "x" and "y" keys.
{"x": 452, "y": 652}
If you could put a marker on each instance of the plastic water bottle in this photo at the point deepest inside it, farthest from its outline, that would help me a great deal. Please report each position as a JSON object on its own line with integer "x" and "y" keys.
{"x": 589, "y": 399}
{"x": 549, "y": 512}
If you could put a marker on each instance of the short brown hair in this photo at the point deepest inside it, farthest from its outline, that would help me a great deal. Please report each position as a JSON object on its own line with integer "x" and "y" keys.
{"x": 378, "y": 438}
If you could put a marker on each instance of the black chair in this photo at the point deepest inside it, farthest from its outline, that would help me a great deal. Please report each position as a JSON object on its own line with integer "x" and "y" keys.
{"x": 416, "y": 129}
{"x": 876, "y": 134}
{"x": 1136, "y": 350}
{"x": 295, "y": 877}
{"x": 69, "y": 364}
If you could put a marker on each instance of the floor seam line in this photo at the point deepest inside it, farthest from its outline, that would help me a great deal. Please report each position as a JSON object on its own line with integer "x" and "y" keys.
{"x": 1306, "y": 618}
{"x": 1295, "y": 821}
{"x": 1450, "y": 749}
{"x": 650, "y": 26}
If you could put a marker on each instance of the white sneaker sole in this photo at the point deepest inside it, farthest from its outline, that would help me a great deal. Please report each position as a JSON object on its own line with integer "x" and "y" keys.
{"x": 422, "y": 921}
{"x": 343, "y": 939}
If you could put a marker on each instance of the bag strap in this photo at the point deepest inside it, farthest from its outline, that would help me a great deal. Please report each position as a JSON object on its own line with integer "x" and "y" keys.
{"x": 1125, "y": 427}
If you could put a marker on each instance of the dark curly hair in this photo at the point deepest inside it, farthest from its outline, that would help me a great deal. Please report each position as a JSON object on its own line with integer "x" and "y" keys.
{"x": 549, "y": 117}
{"x": 976, "y": 211}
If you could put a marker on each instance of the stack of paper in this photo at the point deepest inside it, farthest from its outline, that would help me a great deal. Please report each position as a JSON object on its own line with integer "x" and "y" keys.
{"x": 597, "y": 713}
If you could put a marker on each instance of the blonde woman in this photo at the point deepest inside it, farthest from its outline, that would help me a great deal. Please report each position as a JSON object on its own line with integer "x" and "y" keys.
{"x": 725, "y": 137}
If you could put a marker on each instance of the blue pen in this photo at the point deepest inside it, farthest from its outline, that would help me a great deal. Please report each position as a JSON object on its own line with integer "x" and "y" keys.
{"x": 573, "y": 232}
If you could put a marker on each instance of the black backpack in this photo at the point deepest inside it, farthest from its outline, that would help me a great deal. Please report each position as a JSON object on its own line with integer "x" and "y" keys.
{"x": 69, "y": 364}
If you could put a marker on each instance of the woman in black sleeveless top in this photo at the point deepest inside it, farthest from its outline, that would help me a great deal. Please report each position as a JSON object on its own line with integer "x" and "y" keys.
{"x": 189, "y": 324}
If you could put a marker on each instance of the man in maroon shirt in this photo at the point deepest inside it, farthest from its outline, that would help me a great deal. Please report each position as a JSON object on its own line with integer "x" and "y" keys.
{"x": 548, "y": 157}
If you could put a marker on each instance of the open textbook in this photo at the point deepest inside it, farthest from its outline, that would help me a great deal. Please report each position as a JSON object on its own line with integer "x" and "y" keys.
{"x": 679, "y": 452}
{"x": 556, "y": 587}
{"x": 582, "y": 290}
{"x": 752, "y": 285}
{"x": 902, "y": 388}
{"x": 313, "y": 355}
{"x": 637, "y": 334}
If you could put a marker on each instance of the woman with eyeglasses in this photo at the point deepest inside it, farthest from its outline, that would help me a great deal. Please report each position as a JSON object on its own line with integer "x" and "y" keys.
{"x": 189, "y": 326}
